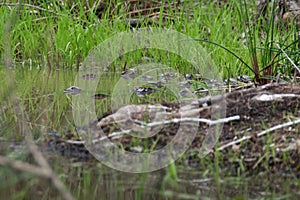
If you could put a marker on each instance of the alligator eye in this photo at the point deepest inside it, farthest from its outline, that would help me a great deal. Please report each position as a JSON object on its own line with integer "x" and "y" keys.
{"x": 74, "y": 88}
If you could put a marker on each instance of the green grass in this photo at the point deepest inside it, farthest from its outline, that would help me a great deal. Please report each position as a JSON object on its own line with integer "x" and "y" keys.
{"x": 63, "y": 36}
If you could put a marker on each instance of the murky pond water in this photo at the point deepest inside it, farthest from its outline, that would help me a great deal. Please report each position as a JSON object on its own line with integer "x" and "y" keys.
{"x": 92, "y": 180}
{"x": 34, "y": 102}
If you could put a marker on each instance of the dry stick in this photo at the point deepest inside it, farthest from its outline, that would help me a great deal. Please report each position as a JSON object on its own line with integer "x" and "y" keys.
{"x": 44, "y": 166}
{"x": 288, "y": 58}
{"x": 112, "y": 135}
{"x": 297, "y": 121}
{"x": 146, "y": 9}
{"x": 40, "y": 171}
{"x": 30, "y": 6}
{"x": 143, "y": 10}
{"x": 44, "y": 170}
{"x": 259, "y": 161}
{"x": 51, "y": 174}
{"x": 22, "y": 166}
{"x": 188, "y": 119}
{"x": 39, "y": 158}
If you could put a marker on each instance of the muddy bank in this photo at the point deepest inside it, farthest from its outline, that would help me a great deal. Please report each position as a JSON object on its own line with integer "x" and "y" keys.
{"x": 264, "y": 136}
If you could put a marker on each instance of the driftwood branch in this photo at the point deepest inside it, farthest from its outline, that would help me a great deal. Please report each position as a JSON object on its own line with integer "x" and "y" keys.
{"x": 23, "y": 166}
{"x": 179, "y": 120}
{"x": 48, "y": 172}
{"x": 144, "y": 125}
{"x": 280, "y": 126}
{"x": 44, "y": 169}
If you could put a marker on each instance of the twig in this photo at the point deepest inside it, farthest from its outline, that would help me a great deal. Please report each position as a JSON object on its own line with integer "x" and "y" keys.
{"x": 297, "y": 121}
{"x": 44, "y": 170}
{"x": 48, "y": 170}
{"x": 288, "y": 58}
{"x": 22, "y": 166}
{"x": 259, "y": 161}
{"x": 142, "y": 10}
{"x": 114, "y": 134}
{"x": 30, "y": 6}
{"x": 188, "y": 119}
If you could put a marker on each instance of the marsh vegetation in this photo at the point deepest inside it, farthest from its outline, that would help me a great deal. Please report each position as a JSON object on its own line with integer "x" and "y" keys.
{"x": 254, "y": 46}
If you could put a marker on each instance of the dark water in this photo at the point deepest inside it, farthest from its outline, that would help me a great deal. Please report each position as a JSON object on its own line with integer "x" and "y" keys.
{"x": 89, "y": 179}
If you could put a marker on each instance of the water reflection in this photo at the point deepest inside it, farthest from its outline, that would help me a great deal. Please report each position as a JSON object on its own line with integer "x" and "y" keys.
{"x": 89, "y": 179}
